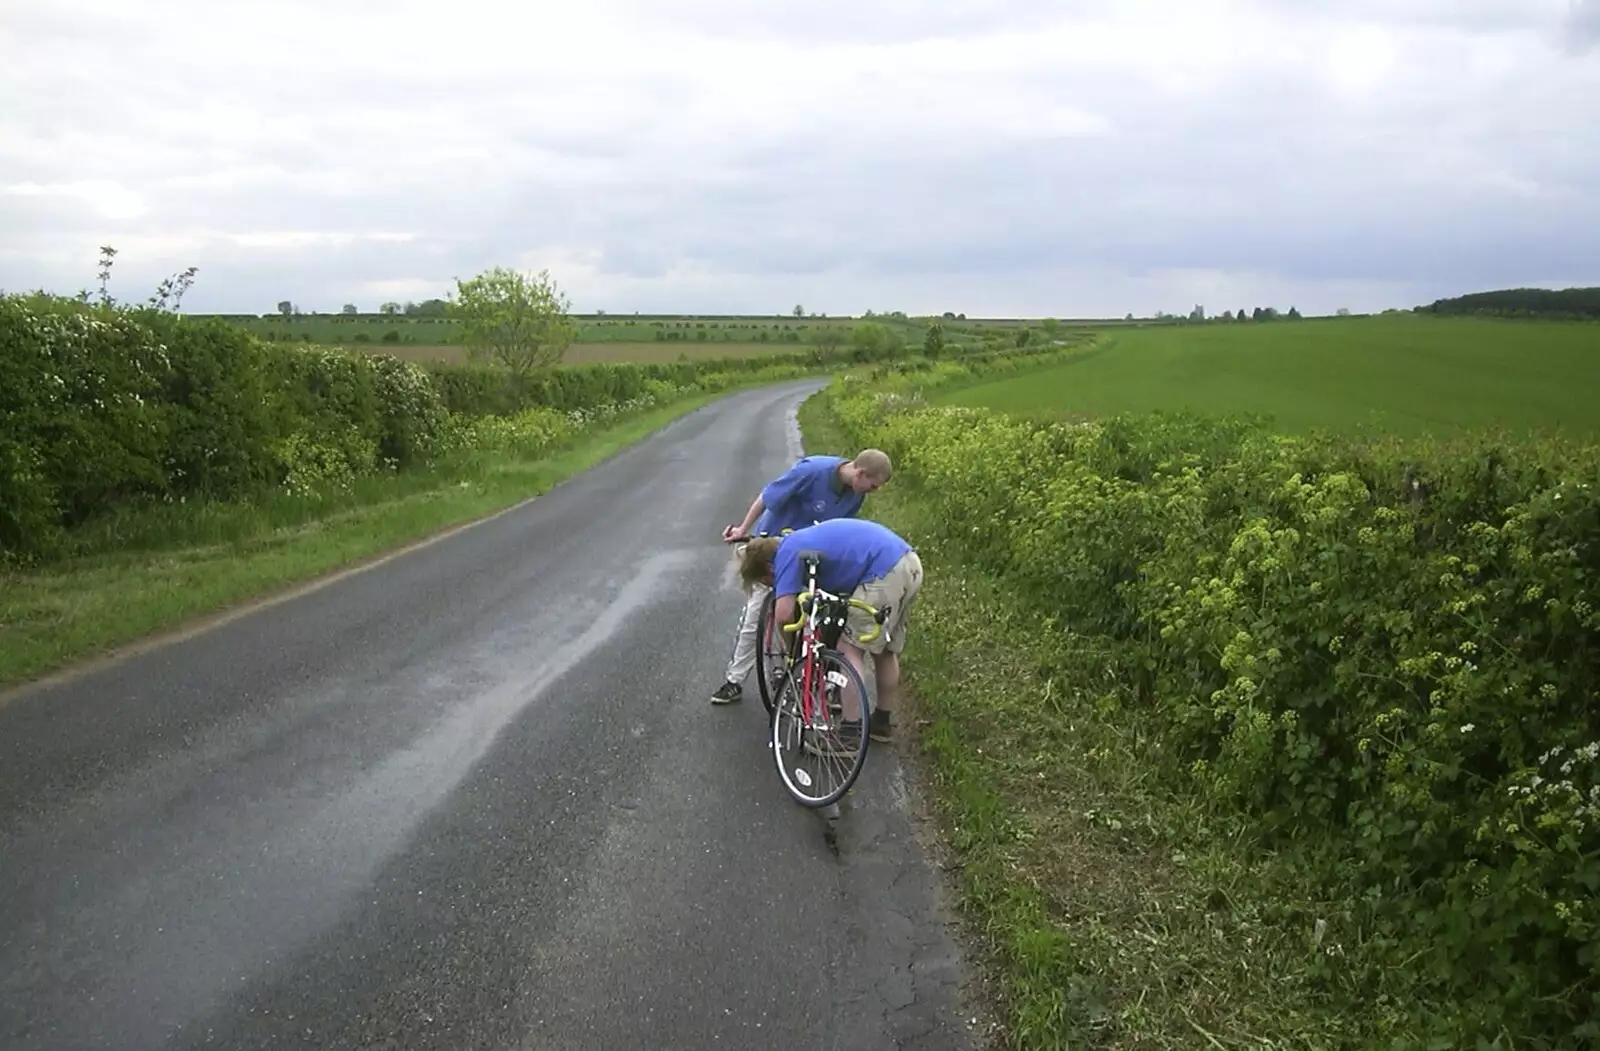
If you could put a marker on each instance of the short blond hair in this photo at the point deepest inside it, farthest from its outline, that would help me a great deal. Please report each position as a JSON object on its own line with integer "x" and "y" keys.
{"x": 874, "y": 463}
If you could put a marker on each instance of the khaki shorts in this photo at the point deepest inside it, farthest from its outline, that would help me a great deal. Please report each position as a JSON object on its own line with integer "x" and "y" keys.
{"x": 898, "y": 589}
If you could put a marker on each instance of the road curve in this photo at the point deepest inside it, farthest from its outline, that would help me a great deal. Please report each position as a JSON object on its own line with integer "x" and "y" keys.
{"x": 474, "y": 797}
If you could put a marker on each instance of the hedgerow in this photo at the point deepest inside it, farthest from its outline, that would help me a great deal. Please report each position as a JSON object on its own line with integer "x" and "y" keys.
{"x": 480, "y": 390}
{"x": 1380, "y": 659}
{"x": 105, "y": 407}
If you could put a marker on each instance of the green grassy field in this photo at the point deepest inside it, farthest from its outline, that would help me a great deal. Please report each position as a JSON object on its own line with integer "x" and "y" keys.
{"x": 1403, "y": 375}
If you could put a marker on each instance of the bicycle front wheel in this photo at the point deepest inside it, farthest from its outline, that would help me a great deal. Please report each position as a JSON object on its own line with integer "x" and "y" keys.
{"x": 819, "y": 755}
{"x": 772, "y": 654}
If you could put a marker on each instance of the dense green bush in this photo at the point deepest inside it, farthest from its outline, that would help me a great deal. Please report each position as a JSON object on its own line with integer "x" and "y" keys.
{"x": 103, "y": 407}
{"x": 528, "y": 432}
{"x": 479, "y": 390}
{"x": 411, "y": 414}
{"x": 1383, "y": 658}
{"x": 81, "y": 422}
{"x": 217, "y": 394}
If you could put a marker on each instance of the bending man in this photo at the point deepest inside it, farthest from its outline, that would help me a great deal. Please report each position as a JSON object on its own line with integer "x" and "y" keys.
{"x": 815, "y": 489}
{"x": 863, "y": 560}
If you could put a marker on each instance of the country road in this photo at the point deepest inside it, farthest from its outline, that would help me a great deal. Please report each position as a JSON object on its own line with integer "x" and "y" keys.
{"x": 473, "y": 797}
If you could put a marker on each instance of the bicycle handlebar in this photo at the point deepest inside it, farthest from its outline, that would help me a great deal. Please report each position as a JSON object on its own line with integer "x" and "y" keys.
{"x": 872, "y": 611}
{"x": 747, "y": 539}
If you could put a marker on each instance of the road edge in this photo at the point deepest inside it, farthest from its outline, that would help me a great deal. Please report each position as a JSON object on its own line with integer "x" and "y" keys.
{"x": 975, "y": 990}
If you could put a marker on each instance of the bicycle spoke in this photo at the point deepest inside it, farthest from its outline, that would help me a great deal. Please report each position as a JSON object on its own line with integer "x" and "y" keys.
{"x": 817, "y": 766}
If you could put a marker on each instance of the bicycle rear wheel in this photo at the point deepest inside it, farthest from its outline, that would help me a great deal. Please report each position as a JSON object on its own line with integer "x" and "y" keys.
{"x": 817, "y": 762}
{"x": 772, "y": 652}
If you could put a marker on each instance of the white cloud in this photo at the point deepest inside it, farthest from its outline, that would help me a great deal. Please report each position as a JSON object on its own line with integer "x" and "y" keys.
{"x": 107, "y": 199}
{"x": 733, "y": 156}
{"x": 293, "y": 239}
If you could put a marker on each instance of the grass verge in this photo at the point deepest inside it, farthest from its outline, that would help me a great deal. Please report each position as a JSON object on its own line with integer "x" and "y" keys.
{"x": 165, "y": 567}
{"x": 1107, "y": 912}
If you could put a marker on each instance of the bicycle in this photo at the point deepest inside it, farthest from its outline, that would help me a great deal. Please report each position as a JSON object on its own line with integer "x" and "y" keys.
{"x": 807, "y": 700}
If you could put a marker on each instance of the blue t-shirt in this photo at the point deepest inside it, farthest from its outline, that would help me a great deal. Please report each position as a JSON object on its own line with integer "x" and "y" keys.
{"x": 854, "y": 551}
{"x": 805, "y": 494}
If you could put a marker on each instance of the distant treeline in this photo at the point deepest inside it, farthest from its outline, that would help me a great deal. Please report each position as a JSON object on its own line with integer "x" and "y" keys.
{"x": 1567, "y": 303}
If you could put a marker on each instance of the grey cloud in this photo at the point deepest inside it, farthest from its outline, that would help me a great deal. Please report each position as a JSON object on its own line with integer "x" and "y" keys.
{"x": 1445, "y": 177}
{"x": 1583, "y": 25}
{"x": 1468, "y": 15}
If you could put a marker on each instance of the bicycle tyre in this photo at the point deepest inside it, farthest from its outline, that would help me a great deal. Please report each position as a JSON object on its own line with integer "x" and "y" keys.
{"x": 785, "y": 717}
{"x": 769, "y": 670}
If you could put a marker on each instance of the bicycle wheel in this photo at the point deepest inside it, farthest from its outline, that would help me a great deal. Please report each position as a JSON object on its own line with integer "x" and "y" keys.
{"x": 818, "y": 764}
{"x": 772, "y": 652}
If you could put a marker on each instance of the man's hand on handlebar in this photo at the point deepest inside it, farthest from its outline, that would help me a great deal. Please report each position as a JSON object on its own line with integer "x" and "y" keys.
{"x": 733, "y": 534}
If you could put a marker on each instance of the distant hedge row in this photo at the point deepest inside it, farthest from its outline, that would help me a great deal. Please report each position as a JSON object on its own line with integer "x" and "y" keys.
{"x": 1565, "y": 304}
{"x": 1383, "y": 660}
{"x": 102, "y": 406}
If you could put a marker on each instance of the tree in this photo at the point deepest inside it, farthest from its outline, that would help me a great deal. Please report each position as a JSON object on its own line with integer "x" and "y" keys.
{"x": 351, "y": 308}
{"x": 429, "y": 308}
{"x": 870, "y": 340}
{"x": 933, "y": 342}
{"x": 389, "y": 308}
{"x": 516, "y": 321}
{"x": 1294, "y": 313}
{"x": 285, "y": 307}
{"x": 799, "y": 311}
{"x": 828, "y": 338}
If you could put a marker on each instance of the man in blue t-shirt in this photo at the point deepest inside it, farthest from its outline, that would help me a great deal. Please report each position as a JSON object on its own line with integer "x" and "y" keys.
{"x": 815, "y": 489}
{"x": 860, "y": 559}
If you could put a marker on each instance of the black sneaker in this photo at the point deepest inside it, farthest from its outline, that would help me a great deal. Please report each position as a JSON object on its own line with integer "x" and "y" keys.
{"x": 879, "y": 729}
{"x": 728, "y": 693}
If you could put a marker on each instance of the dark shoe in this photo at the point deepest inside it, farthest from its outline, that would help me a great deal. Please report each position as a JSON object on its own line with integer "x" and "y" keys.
{"x": 728, "y": 693}
{"x": 880, "y": 728}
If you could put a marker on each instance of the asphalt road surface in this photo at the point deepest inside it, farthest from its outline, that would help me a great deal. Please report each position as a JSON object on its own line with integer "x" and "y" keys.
{"x": 473, "y": 797}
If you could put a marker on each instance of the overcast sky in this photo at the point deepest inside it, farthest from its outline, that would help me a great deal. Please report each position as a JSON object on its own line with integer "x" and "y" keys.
{"x": 1003, "y": 157}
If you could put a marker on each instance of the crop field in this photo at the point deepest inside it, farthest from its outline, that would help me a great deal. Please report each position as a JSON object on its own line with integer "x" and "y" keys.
{"x": 592, "y": 353}
{"x": 1396, "y": 374}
